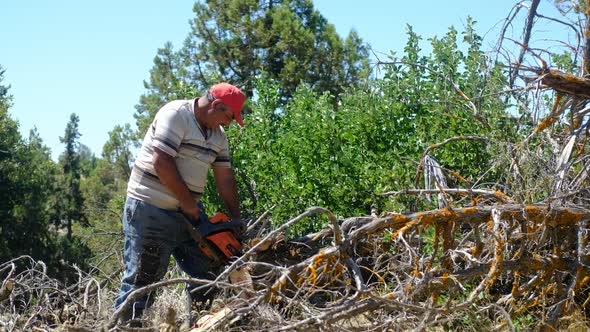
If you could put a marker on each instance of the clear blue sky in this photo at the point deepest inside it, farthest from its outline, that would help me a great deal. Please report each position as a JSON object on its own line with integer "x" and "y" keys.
{"x": 91, "y": 57}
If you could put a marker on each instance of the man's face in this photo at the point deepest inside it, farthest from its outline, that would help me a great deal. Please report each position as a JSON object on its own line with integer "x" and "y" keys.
{"x": 219, "y": 114}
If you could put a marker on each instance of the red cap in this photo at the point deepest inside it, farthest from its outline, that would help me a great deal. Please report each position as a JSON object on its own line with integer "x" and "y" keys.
{"x": 232, "y": 97}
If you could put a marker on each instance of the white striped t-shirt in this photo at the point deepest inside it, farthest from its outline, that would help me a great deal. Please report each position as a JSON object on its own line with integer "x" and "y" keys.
{"x": 175, "y": 130}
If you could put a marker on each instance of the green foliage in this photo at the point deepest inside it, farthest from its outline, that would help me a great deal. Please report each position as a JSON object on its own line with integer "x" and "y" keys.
{"x": 564, "y": 62}
{"x": 525, "y": 322}
{"x": 87, "y": 160}
{"x": 104, "y": 236}
{"x": 104, "y": 190}
{"x": 108, "y": 178}
{"x": 71, "y": 204}
{"x": 72, "y": 251}
{"x": 25, "y": 174}
{"x": 27, "y": 190}
{"x": 100, "y": 185}
{"x": 237, "y": 40}
{"x": 435, "y": 109}
{"x": 315, "y": 136}
{"x": 167, "y": 82}
{"x": 287, "y": 39}
{"x": 117, "y": 150}
{"x": 310, "y": 151}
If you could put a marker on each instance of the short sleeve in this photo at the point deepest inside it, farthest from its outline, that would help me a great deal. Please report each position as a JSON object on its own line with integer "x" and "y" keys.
{"x": 169, "y": 128}
{"x": 222, "y": 159}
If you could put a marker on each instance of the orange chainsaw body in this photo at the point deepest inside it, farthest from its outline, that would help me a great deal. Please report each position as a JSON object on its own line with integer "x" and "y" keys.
{"x": 225, "y": 240}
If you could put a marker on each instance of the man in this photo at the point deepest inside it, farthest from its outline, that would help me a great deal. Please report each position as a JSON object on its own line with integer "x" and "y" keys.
{"x": 166, "y": 185}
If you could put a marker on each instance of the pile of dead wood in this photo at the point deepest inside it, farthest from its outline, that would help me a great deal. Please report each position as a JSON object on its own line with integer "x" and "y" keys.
{"x": 477, "y": 267}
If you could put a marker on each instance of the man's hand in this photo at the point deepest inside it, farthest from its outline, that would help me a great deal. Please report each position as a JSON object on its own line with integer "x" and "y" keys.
{"x": 241, "y": 229}
{"x": 191, "y": 210}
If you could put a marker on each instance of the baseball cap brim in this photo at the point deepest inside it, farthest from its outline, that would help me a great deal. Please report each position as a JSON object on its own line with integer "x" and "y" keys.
{"x": 238, "y": 118}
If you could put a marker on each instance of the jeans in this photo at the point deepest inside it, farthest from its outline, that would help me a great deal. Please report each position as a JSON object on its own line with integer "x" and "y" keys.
{"x": 151, "y": 236}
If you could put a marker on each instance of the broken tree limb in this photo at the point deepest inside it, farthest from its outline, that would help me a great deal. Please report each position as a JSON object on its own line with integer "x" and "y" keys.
{"x": 565, "y": 83}
{"x": 497, "y": 195}
{"x": 528, "y": 28}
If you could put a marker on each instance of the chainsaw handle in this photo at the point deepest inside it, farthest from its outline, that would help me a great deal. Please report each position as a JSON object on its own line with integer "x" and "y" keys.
{"x": 219, "y": 217}
{"x": 235, "y": 226}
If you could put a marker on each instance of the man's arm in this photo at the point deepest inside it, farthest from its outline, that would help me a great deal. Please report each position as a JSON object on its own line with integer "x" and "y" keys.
{"x": 227, "y": 189}
{"x": 167, "y": 171}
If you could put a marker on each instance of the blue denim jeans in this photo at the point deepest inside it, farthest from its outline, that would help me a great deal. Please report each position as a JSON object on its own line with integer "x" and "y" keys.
{"x": 151, "y": 236}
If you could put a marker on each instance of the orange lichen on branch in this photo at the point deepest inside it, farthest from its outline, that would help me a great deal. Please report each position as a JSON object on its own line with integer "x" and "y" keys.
{"x": 340, "y": 268}
{"x": 300, "y": 281}
{"x": 398, "y": 219}
{"x": 276, "y": 287}
{"x": 426, "y": 219}
{"x": 583, "y": 282}
{"x": 514, "y": 290}
{"x": 545, "y": 123}
{"x": 311, "y": 273}
{"x": 552, "y": 217}
{"x": 567, "y": 217}
{"x": 565, "y": 83}
{"x": 534, "y": 213}
{"x": 469, "y": 210}
{"x": 329, "y": 263}
{"x": 448, "y": 213}
{"x": 502, "y": 196}
{"x": 319, "y": 258}
{"x": 530, "y": 304}
{"x": 549, "y": 289}
{"x": 495, "y": 268}
{"x": 404, "y": 229}
{"x": 448, "y": 243}
{"x": 408, "y": 288}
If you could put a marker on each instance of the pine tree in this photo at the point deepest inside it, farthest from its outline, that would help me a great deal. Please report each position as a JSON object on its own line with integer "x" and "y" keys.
{"x": 237, "y": 41}
{"x": 73, "y": 201}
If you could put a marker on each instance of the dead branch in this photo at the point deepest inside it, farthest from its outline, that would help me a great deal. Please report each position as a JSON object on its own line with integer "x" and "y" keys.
{"x": 497, "y": 195}
{"x": 565, "y": 83}
{"x": 380, "y": 267}
{"x": 527, "y": 36}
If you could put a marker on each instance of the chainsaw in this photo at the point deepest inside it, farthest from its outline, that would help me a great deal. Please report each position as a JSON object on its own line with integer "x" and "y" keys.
{"x": 216, "y": 236}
